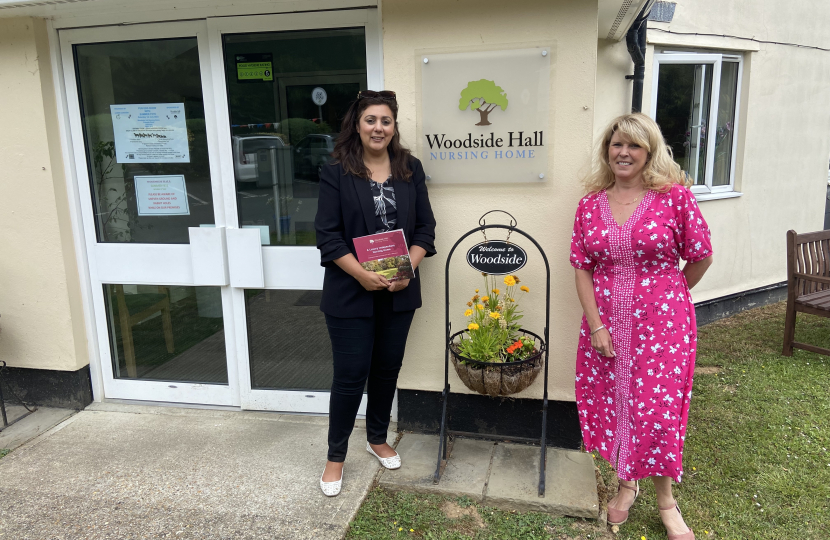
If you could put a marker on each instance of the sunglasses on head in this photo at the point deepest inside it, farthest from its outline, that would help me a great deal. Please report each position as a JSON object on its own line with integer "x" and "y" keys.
{"x": 383, "y": 94}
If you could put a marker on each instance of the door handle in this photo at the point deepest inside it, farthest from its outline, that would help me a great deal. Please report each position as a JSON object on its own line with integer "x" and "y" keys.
{"x": 245, "y": 258}
{"x": 208, "y": 255}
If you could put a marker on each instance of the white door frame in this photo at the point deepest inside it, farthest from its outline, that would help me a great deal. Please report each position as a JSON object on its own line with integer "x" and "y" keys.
{"x": 279, "y": 264}
{"x": 146, "y": 264}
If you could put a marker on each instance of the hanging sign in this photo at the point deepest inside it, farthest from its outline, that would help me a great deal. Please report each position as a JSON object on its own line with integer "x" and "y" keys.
{"x": 150, "y": 133}
{"x": 254, "y": 67}
{"x": 497, "y": 257}
{"x": 319, "y": 96}
{"x": 161, "y": 195}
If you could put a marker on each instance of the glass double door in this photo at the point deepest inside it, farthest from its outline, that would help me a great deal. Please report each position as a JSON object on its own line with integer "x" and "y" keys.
{"x": 197, "y": 147}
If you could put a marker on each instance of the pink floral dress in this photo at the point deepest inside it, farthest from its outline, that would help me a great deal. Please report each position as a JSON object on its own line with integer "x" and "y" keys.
{"x": 633, "y": 408}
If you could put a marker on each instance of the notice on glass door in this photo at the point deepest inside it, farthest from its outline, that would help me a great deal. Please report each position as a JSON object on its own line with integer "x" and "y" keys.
{"x": 150, "y": 133}
{"x": 162, "y": 195}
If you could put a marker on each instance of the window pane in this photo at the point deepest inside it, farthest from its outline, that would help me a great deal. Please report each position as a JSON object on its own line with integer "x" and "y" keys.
{"x": 166, "y": 333}
{"x": 288, "y": 340}
{"x": 725, "y": 132}
{"x": 287, "y": 135}
{"x": 683, "y": 102}
{"x": 149, "y": 171}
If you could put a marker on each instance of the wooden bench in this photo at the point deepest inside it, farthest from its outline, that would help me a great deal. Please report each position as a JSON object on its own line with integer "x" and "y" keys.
{"x": 808, "y": 283}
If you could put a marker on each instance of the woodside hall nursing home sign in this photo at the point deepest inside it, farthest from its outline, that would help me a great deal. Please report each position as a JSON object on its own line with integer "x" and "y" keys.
{"x": 484, "y": 115}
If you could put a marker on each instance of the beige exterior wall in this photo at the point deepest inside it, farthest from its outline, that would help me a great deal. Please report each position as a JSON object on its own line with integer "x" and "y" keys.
{"x": 42, "y": 324}
{"x": 784, "y": 131}
{"x": 543, "y": 210}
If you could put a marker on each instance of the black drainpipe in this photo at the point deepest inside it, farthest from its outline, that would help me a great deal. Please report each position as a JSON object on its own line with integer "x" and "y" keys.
{"x": 635, "y": 39}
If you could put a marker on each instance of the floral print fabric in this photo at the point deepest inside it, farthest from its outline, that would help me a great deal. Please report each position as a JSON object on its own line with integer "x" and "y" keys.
{"x": 633, "y": 408}
{"x": 386, "y": 209}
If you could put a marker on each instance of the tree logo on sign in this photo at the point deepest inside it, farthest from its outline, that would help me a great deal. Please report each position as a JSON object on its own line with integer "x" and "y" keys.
{"x": 483, "y": 96}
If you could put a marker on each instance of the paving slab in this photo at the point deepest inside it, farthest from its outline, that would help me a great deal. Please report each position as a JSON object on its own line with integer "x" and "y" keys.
{"x": 465, "y": 474}
{"x": 29, "y": 427}
{"x": 570, "y": 483}
{"x": 193, "y": 475}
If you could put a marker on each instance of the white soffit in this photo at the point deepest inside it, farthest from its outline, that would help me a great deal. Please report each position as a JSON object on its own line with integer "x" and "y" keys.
{"x": 614, "y": 17}
{"x": 69, "y": 13}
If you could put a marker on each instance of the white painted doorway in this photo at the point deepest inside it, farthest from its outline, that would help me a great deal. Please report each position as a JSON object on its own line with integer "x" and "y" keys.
{"x": 196, "y": 146}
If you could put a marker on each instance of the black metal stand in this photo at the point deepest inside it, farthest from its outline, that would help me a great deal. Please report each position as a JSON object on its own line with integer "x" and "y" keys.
{"x": 445, "y": 431}
{"x": 6, "y": 422}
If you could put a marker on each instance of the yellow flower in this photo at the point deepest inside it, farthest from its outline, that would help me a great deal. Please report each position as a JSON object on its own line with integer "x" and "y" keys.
{"x": 494, "y": 315}
{"x": 472, "y": 326}
{"x": 485, "y": 298}
{"x": 511, "y": 300}
{"x": 509, "y": 281}
{"x": 524, "y": 288}
{"x": 496, "y": 291}
{"x": 400, "y": 529}
{"x": 476, "y": 290}
{"x": 468, "y": 312}
{"x": 411, "y": 530}
{"x": 479, "y": 306}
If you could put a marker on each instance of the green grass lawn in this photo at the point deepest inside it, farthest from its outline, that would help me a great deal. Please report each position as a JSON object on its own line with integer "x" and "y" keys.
{"x": 756, "y": 458}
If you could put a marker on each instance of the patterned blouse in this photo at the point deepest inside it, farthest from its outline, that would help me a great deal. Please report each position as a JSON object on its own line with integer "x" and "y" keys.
{"x": 386, "y": 209}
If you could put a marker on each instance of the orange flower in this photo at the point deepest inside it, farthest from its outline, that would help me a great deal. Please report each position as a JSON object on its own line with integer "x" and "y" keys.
{"x": 485, "y": 298}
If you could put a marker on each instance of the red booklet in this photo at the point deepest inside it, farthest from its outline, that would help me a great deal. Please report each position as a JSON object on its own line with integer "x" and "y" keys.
{"x": 385, "y": 253}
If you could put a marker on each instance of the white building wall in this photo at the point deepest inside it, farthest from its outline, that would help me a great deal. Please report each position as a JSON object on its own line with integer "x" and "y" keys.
{"x": 784, "y": 131}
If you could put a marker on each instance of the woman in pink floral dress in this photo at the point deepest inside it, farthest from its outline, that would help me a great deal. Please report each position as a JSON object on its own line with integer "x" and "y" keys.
{"x": 638, "y": 338}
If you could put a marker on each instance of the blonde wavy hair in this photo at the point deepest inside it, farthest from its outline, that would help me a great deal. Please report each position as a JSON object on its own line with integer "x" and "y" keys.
{"x": 660, "y": 171}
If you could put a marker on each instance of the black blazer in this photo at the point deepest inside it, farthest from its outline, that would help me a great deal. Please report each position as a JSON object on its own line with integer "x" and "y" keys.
{"x": 345, "y": 210}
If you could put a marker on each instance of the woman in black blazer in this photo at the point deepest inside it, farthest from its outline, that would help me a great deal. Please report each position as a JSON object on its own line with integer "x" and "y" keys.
{"x": 372, "y": 185}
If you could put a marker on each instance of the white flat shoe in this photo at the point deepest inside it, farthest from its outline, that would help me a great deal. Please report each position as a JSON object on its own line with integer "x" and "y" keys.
{"x": 331, "y": 489}
{"x": 393, "y": 462}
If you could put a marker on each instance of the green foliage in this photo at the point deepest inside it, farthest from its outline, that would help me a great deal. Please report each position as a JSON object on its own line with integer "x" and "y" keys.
{"x": 4, "y": 452}
{"x": 480, "y": 93}
{"x": 298, "y": 128}
{"x": 493, "y": 323}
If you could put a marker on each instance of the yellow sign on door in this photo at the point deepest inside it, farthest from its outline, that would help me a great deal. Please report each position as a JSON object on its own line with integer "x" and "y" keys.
{"x": 254, "y": 71}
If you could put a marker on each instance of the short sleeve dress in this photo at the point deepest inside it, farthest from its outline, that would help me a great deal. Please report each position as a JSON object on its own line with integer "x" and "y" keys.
{"x": 633, "y": 408}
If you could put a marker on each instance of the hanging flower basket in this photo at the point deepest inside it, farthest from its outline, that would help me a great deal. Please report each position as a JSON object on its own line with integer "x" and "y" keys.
{"x": 498, "y": 378}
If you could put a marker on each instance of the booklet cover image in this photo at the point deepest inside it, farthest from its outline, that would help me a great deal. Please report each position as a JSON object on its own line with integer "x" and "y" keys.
{"x": 386, "y": 254}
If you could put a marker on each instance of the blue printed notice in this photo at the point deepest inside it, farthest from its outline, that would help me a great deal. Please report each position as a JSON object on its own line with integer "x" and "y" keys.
{"x": 150, "y": 133}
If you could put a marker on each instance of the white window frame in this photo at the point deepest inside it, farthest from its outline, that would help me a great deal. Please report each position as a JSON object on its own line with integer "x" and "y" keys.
{"x": 707, "y": 190}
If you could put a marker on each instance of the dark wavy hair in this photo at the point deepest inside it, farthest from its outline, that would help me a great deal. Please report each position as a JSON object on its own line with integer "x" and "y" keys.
{"x": 348, "y": 149}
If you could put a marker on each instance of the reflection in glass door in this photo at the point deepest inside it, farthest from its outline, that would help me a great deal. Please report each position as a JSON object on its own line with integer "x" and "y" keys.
{"x": 281, "y": 135}
{"x": 197, "y": 145}
{"x": 141, "y": 120}
{"x": 125, "y": 161}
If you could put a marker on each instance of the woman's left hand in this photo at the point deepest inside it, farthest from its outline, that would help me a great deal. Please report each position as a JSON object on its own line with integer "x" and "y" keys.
{"x": 398, "y": 285}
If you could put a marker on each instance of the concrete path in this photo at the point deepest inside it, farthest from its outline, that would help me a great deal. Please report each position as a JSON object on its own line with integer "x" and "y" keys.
{"x": 26, "y": 426}
{"x": 132, "y": 472}
{"x": 499, "y": 474}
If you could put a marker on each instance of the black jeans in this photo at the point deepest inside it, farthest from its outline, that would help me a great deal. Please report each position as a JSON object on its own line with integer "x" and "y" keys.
{"x": 365, "y": 348}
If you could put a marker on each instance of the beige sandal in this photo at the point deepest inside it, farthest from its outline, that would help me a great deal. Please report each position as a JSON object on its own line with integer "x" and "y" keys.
{"x": 684, "y": 536}
{"x": 618, "y": 517}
